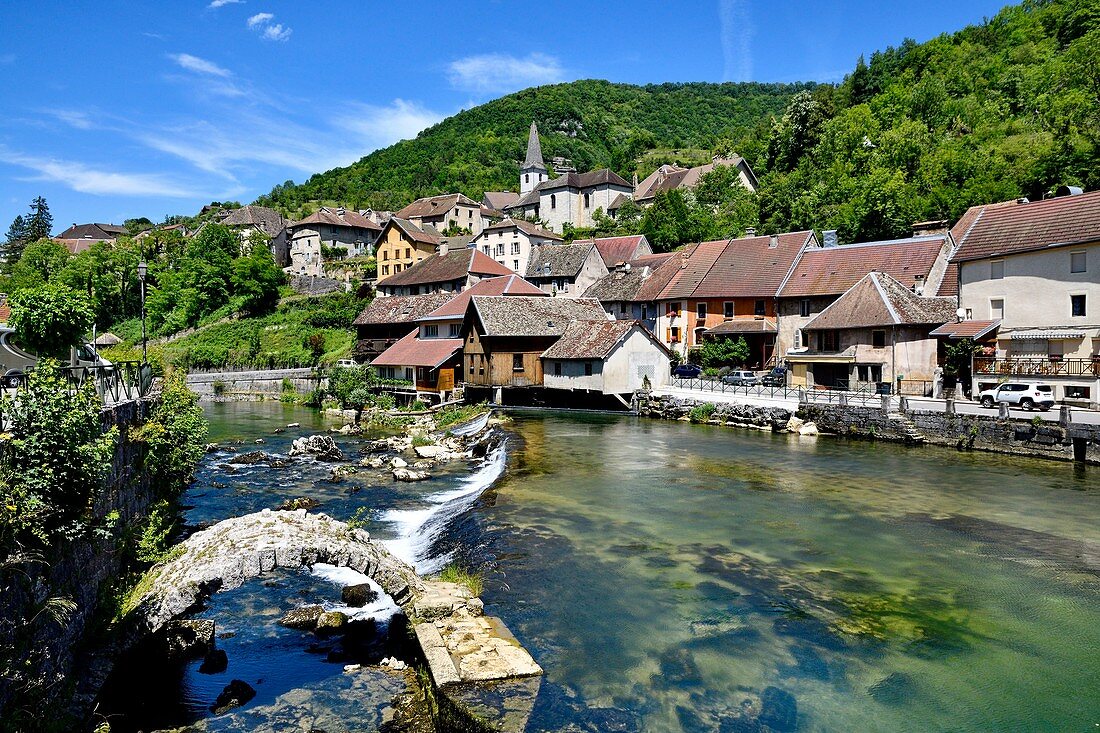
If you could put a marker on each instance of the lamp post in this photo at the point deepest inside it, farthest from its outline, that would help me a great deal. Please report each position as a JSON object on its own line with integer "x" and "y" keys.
{"x": 142, "y": 271}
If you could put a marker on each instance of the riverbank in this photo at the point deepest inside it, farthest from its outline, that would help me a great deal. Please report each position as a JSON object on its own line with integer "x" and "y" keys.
{"x": 965, "y": 432}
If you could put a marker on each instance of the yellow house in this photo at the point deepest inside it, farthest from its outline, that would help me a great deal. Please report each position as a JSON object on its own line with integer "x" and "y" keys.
{"x": 401, "y": 245}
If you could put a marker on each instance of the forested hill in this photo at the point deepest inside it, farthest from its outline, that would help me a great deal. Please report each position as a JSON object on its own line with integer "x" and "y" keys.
{"x": 1005, "y": 108}
{"x": 594, "y": 123}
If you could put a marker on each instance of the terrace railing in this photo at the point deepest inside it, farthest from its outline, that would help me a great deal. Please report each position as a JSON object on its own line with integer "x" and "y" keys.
{"x": 116, "y": 383}
{"x": 1037, "y": 367}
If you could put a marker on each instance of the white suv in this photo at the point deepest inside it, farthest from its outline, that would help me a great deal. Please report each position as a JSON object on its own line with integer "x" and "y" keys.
{"x": 1027, "y": 396}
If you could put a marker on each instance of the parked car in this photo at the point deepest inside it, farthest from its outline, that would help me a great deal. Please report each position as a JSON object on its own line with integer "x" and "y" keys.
{"x": 777, "y": 377}
{"x": 1026, "y": 395}
{"x": 742, "y": 378}
{"x": 14, "y": 362}
{"x": 346, "y": 363}
{"x": 687, "y": 371}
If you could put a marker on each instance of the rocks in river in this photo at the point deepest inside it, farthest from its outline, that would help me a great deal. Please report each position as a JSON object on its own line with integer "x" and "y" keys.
{"x": 294, "y": 425}
{"x": 187, "y": 638}
{"x": 339, "y": 473}
{"x": 331, "y": 622}
{"x": 778, "y": 710}
{"x": 359, "y": 595}
{"x": 303, "y": 618}
{"x": 215, "y": 662}
{"x": 250, "y": 459}
{"x": 301, "y": 502}
{"x": 794, "y": 424}
{"x": 376, "y": 462}
{"x": 808, "y": 429}
{"x": 404, "y": 474}
{"x": 398, "y": 462}
{"x": 429, "y": 451}
{"x": 235, "y": 694}
{"x": 259, "y": 441}
{"x": 323, "y": 447}
{"x": 352, "y": 428}
{"x": 212, "y": 448}
{"x": 893, "y": 689}
{"x": 393, "y": 663}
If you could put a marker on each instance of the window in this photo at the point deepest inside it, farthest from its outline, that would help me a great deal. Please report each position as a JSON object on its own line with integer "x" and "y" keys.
{"x": 431, "y": 331}
{"x": 588, "y": 201}
{"x": 1074, "y": 392}
{"x": 456, "y": 330}
{"x": 759, "y": 308}
{"x": 471, "y": 365}
{"x": 701, "y": 310}
{"x": 557, "y": 368}
{"x": 588, "y": 369}
{"x": 1077, "y": 305}
{"x": 408, "y": 252}
{"x": 828, "y": 341}
{"x": 422, "y": 374}
{"x": 481, "y": 365}
{"x": 526, "y": 177}
{"x": 727, "y": 309}
{"x": 385, "y": 269}
{"x": 997, "y": 270}
{"x": 674, "y": 335}
{"x": 869, "y": 372}
{"x": 485, "y": 249}
{"x": 1077, "y": 262}
{"x": 997, "y": 308}
{"x": 553, "y": 201}
{"x": 517, "y": 362}
{"x": 878, "y": 340}
{"x": 515, "y": 248}
{"x": 804, "y": 307}
{"x": 645, "y": 312}
{"x": 622, "y": 309}
{"x": 798, "y": 339}
{"x": 515, "y": 265}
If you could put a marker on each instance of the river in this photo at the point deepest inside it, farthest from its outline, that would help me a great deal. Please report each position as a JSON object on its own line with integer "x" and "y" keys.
{"x": 676, "y": 577}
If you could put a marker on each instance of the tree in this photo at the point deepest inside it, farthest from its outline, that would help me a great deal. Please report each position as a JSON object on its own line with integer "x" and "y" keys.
{"x": 256, "y": 278}
{"x": 41, "y": 262}
{"x": 724, "y": 352}
{"x": 14, "y": 241}
{"x": 40, "y": 220}
{"x": 50, "y": 319}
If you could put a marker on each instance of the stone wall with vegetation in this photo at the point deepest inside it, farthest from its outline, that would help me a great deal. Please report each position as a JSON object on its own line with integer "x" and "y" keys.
{"x": 87, "y": 502}
{"x": 272, "y": 384}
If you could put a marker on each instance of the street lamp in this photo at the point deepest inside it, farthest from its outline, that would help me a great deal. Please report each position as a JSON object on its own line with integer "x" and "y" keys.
{"x": 142, "y": 271}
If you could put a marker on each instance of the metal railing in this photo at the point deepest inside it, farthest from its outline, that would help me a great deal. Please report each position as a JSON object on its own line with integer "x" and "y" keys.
{"x": 863, "y": 394}
{"x": 715, "y": 384}
{"x": 1037, "y": 367}
{"x": 122, "y": 381}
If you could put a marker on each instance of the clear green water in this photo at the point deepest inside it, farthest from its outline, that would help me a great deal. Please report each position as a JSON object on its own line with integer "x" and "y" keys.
{"x": 666, "y": 574}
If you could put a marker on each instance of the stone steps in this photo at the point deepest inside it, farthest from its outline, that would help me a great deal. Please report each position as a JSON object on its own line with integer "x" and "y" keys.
{"x": 908, "y": 428}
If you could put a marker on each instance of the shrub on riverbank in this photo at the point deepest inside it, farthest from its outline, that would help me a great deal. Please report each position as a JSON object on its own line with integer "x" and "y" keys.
{"x": 472, "y": 580}
{"x": 702, "y": 413}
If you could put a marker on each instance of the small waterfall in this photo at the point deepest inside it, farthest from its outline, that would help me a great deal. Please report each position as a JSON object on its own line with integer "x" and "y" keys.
{"x": 417, "y": 528}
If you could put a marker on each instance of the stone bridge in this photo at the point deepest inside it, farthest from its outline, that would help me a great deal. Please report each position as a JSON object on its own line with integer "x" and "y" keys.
{"x": 236, "y": 550}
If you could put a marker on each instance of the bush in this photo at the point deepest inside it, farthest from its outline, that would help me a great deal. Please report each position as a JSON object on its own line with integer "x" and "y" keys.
{"x": 472, "y": 580}
{"x": 174, "y": 436}
{"x": 50, "y": 320}
{"x": 219, "y": 388}
{"x": 702, "y": 413}
{"x": 723, "y": 352}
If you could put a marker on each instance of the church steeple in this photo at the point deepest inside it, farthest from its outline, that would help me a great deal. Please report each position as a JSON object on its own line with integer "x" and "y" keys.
{"x": 533, "y": 172}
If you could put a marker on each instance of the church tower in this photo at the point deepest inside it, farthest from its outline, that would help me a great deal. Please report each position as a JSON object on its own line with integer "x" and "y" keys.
{"x": 533, "y": 171}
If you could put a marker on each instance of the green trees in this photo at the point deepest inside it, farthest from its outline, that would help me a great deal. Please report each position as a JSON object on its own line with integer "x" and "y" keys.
{"x": 723, "y": 352}
{"x": 50, "y": 319}
{"x": 14, "y": 241}
{"x": 36, "y": 225}
{"x": 174, "y": 436}
{"x": 256, "y": 278}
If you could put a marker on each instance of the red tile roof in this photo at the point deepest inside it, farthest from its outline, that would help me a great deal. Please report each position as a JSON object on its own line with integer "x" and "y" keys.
{"x": 832, "y": 270}
{"x": 400, "y": 308}
{"x": 589, "y": 339}
{"x": 505, "y": 285}
{"x": 695, "y": 263}
{"x": 412, "y": 351}
{"x": 435, "y": 206}
{"x": 1010, "y": 227}
{"x": 452, "y": 266}
{"x": 749, "y": 267}
{"x": 966, "y": 329}
{"x": 744, "y": 325}
{"x": 332, "y": 217}
{"x": 412, "y": 231}
{"x": 616, "y": 249}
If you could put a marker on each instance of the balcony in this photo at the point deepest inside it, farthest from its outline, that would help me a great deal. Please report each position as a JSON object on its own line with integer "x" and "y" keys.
{"x": 1037, "y": 367}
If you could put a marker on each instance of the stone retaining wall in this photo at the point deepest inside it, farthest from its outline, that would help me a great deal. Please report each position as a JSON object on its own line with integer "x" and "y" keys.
{"x": 245, "y": 386}
{"x": 667, "y": 407}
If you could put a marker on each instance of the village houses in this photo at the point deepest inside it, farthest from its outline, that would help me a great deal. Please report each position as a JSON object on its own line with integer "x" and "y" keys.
{"x": 446, "y": 214}
{"x": 449, "y": 271}
{"x": 329, "y": 232}
{"x": 565, "y": 270}
{"x": 401, "y": 244}
{"x": 268, "y": 222}
{"x": 510, "y": 242}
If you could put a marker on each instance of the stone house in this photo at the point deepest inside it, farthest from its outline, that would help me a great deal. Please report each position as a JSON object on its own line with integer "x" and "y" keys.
{"x": 631, "y": 289}
{"x": 1034, "y": 267}
{"x": 266, "y": 221}
{"x": 386, "y": 320}
{"x": 876, "y": 333}
{"x": 726, "y": 289}
{"x": 565, "y": 270}
{"x": 617, "y": 250}
{"x": 613, "y": 358}
{"x": 445, "y": 272}
{"x": 510, "y": 242}
{"x": 331, "y": 228}
{"x": 443, "y": 213}
{"x": 401, "y": 244}
{"x": 823, "y": 274}
{"x": 574, "y": 198}
{"x": 673, "y": 177}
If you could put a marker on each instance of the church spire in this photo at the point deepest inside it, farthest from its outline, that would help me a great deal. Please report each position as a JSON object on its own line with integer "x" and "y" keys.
{"x": 534, "y": 150}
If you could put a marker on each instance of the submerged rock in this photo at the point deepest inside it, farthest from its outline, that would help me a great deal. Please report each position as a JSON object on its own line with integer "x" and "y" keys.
{"x": 301, "y": 502}
{"x": 235, "y": 694}
{"x": 250, "y": 459}
{"x": 359, "y": 595}
{"x": 216, "y": 662}
{"x": 404, "y": 474}
{"x": 893, "y": 689}
{"x": 331, "y": 622}
{"x": 808, "y": 429}
{"x": 187, "y": 638}
{"x": 303, "y": 618}
{"x": 794, "y": 424}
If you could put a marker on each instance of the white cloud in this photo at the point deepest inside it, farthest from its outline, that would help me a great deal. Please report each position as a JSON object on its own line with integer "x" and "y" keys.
{"x": 199, "y": 66}
{"x": 220, "y": 3}
{"x": 73, "y": 118}
{"x": 276, "y": 32}
{"x": 85, "y": 179}
{"x": 737, "y": 31}
{"x": 269, "y": 31}
{"x": 496, "y": 73}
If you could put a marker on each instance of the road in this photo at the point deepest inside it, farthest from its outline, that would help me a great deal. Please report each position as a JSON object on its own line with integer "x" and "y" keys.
{"x": 1077, "y": 415}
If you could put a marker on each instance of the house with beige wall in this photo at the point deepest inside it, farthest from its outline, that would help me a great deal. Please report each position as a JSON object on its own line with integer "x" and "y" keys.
{"x": 451, "y": 211}
{"x": 565, "y": 270}
{"x": 335, "y": 228}
{"x": 1035, "y": 267}
{"x": 612, "y": 357}
{"x": 510, "y": 242}
{"x": 401, "y": 245}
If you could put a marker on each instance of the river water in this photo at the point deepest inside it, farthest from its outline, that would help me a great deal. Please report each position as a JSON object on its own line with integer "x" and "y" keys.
{"x": 676, "y": 577}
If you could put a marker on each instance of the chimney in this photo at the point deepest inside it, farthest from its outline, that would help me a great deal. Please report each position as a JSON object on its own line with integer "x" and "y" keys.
{"x": 829, "y": 239}
{"x": 635, "y": 180}
{"x": 928, "y": 228}
{"x": 444, "y": 248}
{"x": 750, "y": 231}
{"x": 1068, "y": 191}
{"x": 773, "y": 241}
{"x": 918, "y": 284}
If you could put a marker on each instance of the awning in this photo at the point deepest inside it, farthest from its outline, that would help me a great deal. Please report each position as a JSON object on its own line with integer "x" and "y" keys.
{"x": 742, "y": 326}
{"x": 848, "y": 356}
{"x": 966, "y": 329}
{"x": 1047, "y": 334}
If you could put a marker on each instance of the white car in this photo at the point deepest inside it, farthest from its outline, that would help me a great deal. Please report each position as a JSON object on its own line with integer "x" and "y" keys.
{"x": 1023, "y": 394}
{"x": 346, "y": 363}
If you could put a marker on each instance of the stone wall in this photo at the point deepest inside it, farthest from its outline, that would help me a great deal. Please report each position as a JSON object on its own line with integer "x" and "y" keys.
{"x": 244, "y": 386}
{"x": 57, "y": 646}
{"x": 667, "y": 407}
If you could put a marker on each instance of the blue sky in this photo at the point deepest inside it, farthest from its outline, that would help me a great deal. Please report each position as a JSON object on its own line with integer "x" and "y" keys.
{"x": 116, "y": 109}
